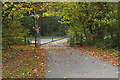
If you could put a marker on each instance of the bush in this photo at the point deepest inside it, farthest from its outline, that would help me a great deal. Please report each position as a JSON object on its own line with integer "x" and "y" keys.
{"x": 107, "y": 43}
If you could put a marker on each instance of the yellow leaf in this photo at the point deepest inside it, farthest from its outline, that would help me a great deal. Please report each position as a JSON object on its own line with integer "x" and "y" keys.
{"x": 49, "y": 71}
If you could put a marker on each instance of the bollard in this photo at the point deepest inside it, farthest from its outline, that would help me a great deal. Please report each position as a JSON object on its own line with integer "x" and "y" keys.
{"x": 52, "y": 39}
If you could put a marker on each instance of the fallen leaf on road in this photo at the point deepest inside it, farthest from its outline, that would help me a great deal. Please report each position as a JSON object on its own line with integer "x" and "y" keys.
{"x": 77, "y": 55}
{"x": 102, "y": 72}
{"x": 48, "y": 65}
{"x": 116, "y": 70}
{"x": 57, "y": 65}
{"x": 85, "y": 73}
{"x": 49, "y": 71}
{"x": 48, "y": 58}
{"x": 81, "y": 54}
{"x": 67, "y": 62}
{"x": 88, "y": 55}
{"x": 86, "y": 58}
{"x": 99, "y": 61}
{"x": 65, "y": 77}
{"x": 104, "y": 66}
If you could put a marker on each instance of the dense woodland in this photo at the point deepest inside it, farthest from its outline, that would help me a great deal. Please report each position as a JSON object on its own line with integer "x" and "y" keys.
{"x": 96, "y": 23}
{"x": 51, "y": 27}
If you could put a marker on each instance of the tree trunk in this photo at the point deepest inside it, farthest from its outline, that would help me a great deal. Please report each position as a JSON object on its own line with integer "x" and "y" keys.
{"x": 94, "y": 39}
{"x": 37, "y": 26}
{"x": 25, "y": 40}
{"x": 40, "y": 30}
{"x": 112, "y": 35}
{"x": 9, "y": 45}
{"x": 81, "y": 42}
{"x": 85, "y": 32}
{"x": 65, "y": 29}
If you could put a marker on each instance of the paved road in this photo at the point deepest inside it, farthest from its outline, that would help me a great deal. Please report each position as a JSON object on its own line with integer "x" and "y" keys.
{"x": 47, "y": 40}
{"x": 71, "y": 63}
{"x": 74, "y": 65}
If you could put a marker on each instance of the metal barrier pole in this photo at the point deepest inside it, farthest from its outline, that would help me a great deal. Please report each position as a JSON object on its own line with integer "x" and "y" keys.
{"x": 52, "y": 38}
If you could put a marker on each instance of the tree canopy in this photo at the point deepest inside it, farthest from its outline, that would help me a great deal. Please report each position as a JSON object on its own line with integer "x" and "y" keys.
{"x": 96, "y": 22}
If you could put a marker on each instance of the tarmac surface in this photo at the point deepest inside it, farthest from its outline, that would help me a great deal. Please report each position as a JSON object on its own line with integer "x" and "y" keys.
{"x": 70, "y": 63}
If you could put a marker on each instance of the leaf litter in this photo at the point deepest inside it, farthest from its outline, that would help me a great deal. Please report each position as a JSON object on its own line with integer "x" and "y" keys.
{"x": 30, "y": 63}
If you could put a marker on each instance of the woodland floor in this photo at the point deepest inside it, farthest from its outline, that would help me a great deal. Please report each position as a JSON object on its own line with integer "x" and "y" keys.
{"x": 24, "y": 62}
